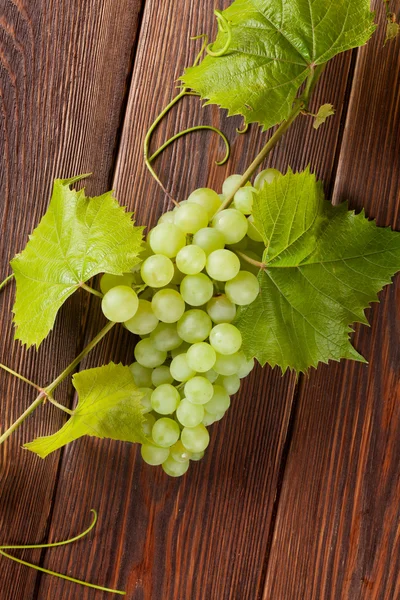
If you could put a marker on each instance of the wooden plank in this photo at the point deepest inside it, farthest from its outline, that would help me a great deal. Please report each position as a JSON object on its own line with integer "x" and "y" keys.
{"x": 63, "y": 73}
{"x": 337, "y": 527}
{"x": 204, "y": 536}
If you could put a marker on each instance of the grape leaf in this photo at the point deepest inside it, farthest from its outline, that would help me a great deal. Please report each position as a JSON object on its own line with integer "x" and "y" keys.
{"x": 324, "y": 266}
{"x": 77, "y": 238}
{"x": 108, "y": 407}
{"x": 274, "y": 46}
{"x": 324, "y": 111}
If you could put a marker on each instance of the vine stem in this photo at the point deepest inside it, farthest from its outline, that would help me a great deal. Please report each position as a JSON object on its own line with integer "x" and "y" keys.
{"x": 6, "y": 280}
{"x": 91, "y": 290}
{"x": 46, "y": 392}
{"x": 21, "y": 377}
{"x": 252, "y": 261}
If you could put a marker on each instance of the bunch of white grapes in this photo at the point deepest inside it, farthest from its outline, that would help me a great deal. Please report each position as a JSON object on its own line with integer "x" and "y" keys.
{"x": 191, "y": 280}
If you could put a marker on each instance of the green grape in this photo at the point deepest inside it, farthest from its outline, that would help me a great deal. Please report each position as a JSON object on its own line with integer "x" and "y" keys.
{"x": 165, "y": 337}
{"x": 180, "y": 369}
{"x": 252, "y": 232}
{"x": 191, "y": 260}
{"x": 222, "y": 265}
{"x": 167, "y": 217}
{"x": 245, "y": 366}
{"x": 227, "y": 364}
{"x": 220, "y": 401}
{"x": 197, "y": 289}
{"x": 108, "y": 281}
{"x": 209, "y": 240}
{"x": 189, "y": 414}
{"x": 211, "y": 374}
{"x": 154, "y": 455}
{"x": 179, "y": 453}
{"x": 201, "y": 357}
{"x": 221, "y": 309}
{"x": 146, "y": 399}
{"x": 197, "y": 455}
{"x": 157, "y": 271}
{"x": 161, "y": 375}
{"x": 141, "y": 374}
{"x": 230, "y": 184}
{"x": 165, "y": 432}
{"x": 174, "y": 468}
{"x": 144, "y": 320}
{"x": 225, "y": 338}
{"x": 182, "y": 349}
{"x": 210, "y": 419}
{"x": 168, "y": 305}
{"x": 242, "y": 289}
{"x": 148, "y": 424}
{"x": 266, "y": 176}
{"x": 147, "y": 354}
{"x": 198, "y": 390}
{"x": 119, "y": 304}
{"x": 207, "y": 198}
{"x": 232, "y": 224}
{"x": 231, "y": 383}
{"x": 195, "y": 439}
{"x": 194, "y": 326}
{"x": 243, "y": 200}
{"x": 167, "y": 239}
{"x": 165, "y": 399}
{"x": 191, "y": 217}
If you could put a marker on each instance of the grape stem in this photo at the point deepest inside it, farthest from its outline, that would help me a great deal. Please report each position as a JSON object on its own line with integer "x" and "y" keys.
{"x": 252, "y": 261}
{"x": 46, "y": 393}
{"x": 90, "y": 290}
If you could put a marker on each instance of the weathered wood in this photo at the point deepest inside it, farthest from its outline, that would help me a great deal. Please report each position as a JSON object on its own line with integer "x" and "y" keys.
{"x": 337, "y": 526}
{"x": 204, "y": 536}
{"x": 64, "y": 68}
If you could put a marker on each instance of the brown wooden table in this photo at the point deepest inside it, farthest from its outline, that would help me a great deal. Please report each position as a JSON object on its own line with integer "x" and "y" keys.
{"x": 298, "y": 496}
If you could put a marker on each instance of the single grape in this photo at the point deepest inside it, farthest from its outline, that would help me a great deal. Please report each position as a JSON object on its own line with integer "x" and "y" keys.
{"x": 154, "y": 455}
{"x": 231, "y": 383}
{"x": 245, "y": 366}
{"x": 194, "y": 326}
{"x": 141, "y": 374}
{"x": 198, "y": 390}
{"x": 222, "y": 265}
{"x": 207, "y": 198}
{"x": 182, "y": 349}
{"x": 211, "y": 374}
{"x": 243, "y": 200}
{"x": 166, "y": 239}
{"x": 225, "y": 338}
{"x": 242, "y": 289}
{"x": 252, "y": 231}
{"x": 191, "y": 259}
{"x": 174, "y": 468}
{"x": 157, "y": 270}
{"x": 167, "y": 217}
{"x": 165, "y": 432}
{"x": 266, "y": 176}
{"x": 119, "y": 304}
{"x": 148, "y": 424}
{"x": 145, "y": 401}
{"x": 201, "y": 357}
{"x": 147, "y": 354}
{"x": 161, "y": 375}
{"x": 197, "y": 289}
{"x": 180, "y": 369}
{"x": 221, "y": 309}
{"x": 220, "y": 401}
{"x": 179, "y": 453}
{"x": 195, "y": 439}
{"x": 227, "y": 364}
{"x": 144, "y": 320}
{"x": 165, "y": 399}
{"x": 210, "y": 419}
{"x": 191, "y": 217}
{"x": 165, "y": 337}
{"x": 168, "y": 305}
{"x": 189, "y": 414}
{"x": 197, "y": 455}
{"x": 209, "y": 239}
{"x": 232, "y": 224}
{"x": 109, "y": 281}
{"x": 230, "y": 184}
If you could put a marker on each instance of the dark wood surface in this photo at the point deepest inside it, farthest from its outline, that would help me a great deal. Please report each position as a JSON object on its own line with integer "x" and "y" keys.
{"x": 298, "y": 496}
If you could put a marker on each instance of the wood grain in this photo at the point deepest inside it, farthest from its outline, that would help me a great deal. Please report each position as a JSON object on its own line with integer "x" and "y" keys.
{"x": 205, "y": 536}
{"x": 337, "y": 530}
{"x": 64, "y": 67}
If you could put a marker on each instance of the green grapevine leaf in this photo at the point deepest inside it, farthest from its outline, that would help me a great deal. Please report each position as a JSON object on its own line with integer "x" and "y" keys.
{"x": 108, "y": 407}
{"x": 324, "y": 111}
{"x": 266, "y": 49}
{"x": 77, "y": 238}
{"x": 324, "y": 266}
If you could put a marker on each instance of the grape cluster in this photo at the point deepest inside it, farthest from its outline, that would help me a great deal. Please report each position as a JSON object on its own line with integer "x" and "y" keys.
{"x": 193, "y": 277}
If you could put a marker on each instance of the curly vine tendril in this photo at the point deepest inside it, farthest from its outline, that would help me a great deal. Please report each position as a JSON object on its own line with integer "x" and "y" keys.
{"x": 55, "y": 545}
{"x": 224, "y": 27}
